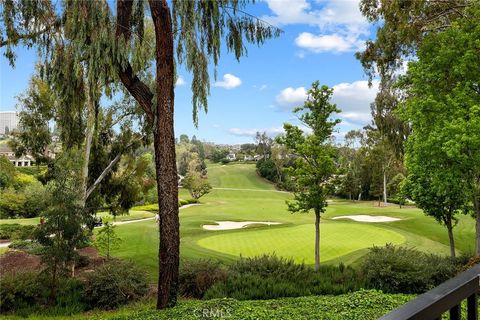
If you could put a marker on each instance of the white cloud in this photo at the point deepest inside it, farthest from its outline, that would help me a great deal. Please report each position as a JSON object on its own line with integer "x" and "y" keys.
{"x": 290, "y": 97}
{"x": 180, "y": 81}
{"x": 341, "y": 24}
{"x": 353, "y": 99}
{"x": 251, "y": 132}
{"x": 260, "y": 87}
{"x": 229, "y": 82}
{"x": 324, "y": 43}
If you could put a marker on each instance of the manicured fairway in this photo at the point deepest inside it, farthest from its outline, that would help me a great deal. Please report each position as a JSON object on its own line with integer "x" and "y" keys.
{"x": 240, "y": 195}
{"x": 337, "y": 239}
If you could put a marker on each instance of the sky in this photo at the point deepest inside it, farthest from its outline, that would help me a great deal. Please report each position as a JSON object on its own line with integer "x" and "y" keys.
{"x": 258, "y": 93}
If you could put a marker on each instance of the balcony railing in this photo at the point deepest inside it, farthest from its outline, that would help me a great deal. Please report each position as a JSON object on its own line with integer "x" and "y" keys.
{"x": 447, "y": 297}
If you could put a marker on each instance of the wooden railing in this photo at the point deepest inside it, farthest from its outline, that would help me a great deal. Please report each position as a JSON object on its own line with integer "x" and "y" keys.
{"x": 447, "y": 297}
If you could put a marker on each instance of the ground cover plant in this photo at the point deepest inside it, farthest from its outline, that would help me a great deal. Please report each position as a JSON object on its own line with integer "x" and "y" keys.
{"x": 361, "y": 305}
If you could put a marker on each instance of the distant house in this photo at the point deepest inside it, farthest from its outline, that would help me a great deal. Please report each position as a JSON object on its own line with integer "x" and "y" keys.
{"x": 257, "y": 157}
{"x": 248, "y": 158}
{"x": 23, "y": 161}
{"x": 231, "y": 157}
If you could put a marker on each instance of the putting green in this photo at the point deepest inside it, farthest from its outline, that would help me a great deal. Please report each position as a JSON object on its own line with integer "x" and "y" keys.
{"x": 337, "y": 239}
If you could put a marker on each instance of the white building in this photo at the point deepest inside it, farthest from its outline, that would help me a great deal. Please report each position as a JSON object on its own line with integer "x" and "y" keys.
{"x": 8, "y": 121}
{"x": 231, "y": 157}
{"x": 23, "y": 161}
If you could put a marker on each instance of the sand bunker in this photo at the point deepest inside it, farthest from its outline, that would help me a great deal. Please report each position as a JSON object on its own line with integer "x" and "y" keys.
{"x": 367, "y": 218}
{"x": 230, "y": 225}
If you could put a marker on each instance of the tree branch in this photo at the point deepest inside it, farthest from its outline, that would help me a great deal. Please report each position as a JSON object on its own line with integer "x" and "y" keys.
{"x": 102, "y": 175}
{"x": 138, "y": 89}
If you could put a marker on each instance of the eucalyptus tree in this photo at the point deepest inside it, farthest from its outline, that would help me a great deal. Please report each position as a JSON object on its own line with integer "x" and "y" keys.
{"x": 315, "y": 162}
{"x": 443, "y": 109}
{"x": 402, "y": 28}
{"x": 113, "y": 48}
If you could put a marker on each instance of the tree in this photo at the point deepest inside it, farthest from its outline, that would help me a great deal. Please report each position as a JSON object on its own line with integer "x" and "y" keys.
{"x": 190, "y": 31}
{"x": 404, "y": 25}
{"x": 34, "y": 136}
{"x": 442, "y": 105}
{"x": 7, "y": 173}
{"x": 63, "y": 229}
{"x": 280, "y": 158}
{"x": 315, "y": 163}
{"x": 264, "y": 144}
{"x": 107, "y": 239}
{"x": 196, "y": 185}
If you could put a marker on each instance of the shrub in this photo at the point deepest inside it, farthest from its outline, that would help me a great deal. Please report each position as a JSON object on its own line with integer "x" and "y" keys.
{"x": 270, "y": 277}
{"x": 225, "y": 161}
{"x": 114, "y": 284}
{"x": 196, "y": 277}
{"x": 12, "y": 204}
{"x": 20, "y": 291}
{"x": 405, "y": 270}
{"x": 16, "y": 231}
{"x": 31, "y": 247}
{"x": 24, "y": 293}
{"x": 267, "y": 169}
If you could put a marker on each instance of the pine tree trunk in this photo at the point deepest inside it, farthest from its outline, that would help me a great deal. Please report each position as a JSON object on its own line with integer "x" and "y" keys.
{"x": 317, "y": 240}
{"x": 450, "y": 237}
{"x": 165, "y": 163}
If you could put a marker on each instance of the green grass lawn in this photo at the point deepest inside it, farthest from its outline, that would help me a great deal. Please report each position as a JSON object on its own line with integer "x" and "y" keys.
{"x": 239, "y": 194}
{"x": 298, "y": 242}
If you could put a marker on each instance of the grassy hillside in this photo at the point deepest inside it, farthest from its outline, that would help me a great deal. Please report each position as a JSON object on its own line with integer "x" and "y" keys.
{"x": 240, "y": 195}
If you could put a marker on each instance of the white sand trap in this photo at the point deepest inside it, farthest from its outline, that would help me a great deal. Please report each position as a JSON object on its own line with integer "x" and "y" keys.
{"x": 230, "y": 225}
{"x": 367, "y": 218}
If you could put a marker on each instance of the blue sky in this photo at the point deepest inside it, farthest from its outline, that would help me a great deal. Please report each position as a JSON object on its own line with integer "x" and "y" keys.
{"x": 258, "y": 93}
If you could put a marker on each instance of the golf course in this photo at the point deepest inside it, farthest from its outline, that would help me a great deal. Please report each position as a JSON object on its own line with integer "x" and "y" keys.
{"x": 240, "y": 195}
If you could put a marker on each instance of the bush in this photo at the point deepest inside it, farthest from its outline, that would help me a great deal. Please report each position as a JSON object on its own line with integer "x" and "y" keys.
{"x": 405, "y": 270}
{"x": 267, "y": 170}
{"x": 20, "y": 291}
{"x": 114, "y": 284}
{"x": 270, "y": 277}
{"x": 196, "y": 277}
{"x": 31, "y": 247}
{"x": 225, "y": 161}
{"x": 12, "y": 204}
{"x": 25, "y": 293}
{"x": 16, "y": 231}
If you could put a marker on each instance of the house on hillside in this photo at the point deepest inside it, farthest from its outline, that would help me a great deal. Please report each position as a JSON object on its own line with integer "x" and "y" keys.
{"x": 231, "y": 157}
{"x": 23, "y": 161}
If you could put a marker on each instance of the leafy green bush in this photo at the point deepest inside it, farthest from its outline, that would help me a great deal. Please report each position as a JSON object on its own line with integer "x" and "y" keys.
{"x": 225, "y": 161}
{"x": 405, "y": 270}
{"x": 16, "y": 231}
{"x": 196, "y": 277}
{"x": 12, "y": 204}
{"x": 20, "y": 291}
{"x": 31, "y": 247}
{"x": 25, "y": 293}
{"x": 114, "y": 284}
{"x": 267, "y": 170}
{"x": 270, "y": 277}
